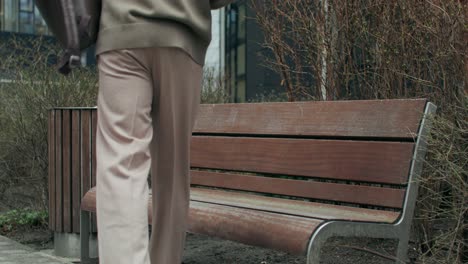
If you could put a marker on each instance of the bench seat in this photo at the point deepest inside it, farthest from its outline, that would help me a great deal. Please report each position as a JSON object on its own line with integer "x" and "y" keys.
{"x": 275, "y": 223}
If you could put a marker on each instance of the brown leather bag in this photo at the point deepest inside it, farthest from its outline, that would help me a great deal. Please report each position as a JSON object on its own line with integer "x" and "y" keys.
{"x": 75, "y": 23}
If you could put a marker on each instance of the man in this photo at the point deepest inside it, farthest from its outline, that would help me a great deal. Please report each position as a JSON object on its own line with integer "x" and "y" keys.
{"x": 150, "y": 60}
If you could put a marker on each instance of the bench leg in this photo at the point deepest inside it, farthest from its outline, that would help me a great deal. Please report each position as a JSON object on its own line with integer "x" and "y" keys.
{"x": 84, "y": 237}
{"x": 402, "y": 250}
{"x": 316, "y": 243}
{"x": 313, "y": 253}
{"x": 353, "y": 229}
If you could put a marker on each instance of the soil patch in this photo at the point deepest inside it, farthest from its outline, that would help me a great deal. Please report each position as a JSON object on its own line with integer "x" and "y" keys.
{"x": 36, "y": 238}
{"x": 202, "y": 249}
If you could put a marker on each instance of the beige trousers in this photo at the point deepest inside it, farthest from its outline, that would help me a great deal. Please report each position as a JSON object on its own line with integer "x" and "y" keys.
{"x": 147, "y": 103}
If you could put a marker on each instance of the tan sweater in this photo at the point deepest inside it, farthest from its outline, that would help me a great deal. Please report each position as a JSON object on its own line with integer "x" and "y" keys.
{"x": 157, "y": 23}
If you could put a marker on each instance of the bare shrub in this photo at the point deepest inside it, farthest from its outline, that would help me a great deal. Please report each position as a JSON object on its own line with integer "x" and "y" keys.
{"x": 442, "y": 217}
{"x": 30, "y": 87}
{"x": 366, "y": 49}
{"x": 377, "y": 49}
{"x": 213, "y": 88}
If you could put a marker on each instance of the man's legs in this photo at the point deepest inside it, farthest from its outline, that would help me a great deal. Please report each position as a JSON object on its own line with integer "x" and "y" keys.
{"x": 124, "y": 133}
{"x": 178, "y": 79}
{"x": 148, "y": 101}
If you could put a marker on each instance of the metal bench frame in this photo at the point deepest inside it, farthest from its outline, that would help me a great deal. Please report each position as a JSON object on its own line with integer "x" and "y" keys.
{"x": 399, "y": 230}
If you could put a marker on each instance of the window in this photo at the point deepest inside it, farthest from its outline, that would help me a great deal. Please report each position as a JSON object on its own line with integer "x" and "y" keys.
{"x": 26, "y": 16}
{"x": 21, "y": 16}
{"x": 241, "y": 23}
{"x": 236, "y": 50}
{"x": 26, "y": 5}
{"x": 26, "y": 22}
{"x": 241, "y": 59}
{"x": 241, "y": 90}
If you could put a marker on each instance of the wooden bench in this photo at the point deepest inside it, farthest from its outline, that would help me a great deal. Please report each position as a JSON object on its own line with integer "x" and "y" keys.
{"x": 288, "y": 176}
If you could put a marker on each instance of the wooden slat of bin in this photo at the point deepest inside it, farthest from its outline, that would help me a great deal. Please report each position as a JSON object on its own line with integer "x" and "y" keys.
{"x": 85, "y": 151}
{"x": 66, "y": 159}
{"x": 93, "y": 153}
{"x": 51, "y": 150}
{"x": 380, "y": 119}
{"x": 76, "y": 165}
{"x": 58, "y": 172}
{"x": 367, "y": 161}
{"x": 93, "y": 163}
{"x": 357, "y": 194}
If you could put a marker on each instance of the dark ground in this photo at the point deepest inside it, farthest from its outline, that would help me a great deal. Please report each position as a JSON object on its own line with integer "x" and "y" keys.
{"x": 206, "y": 250}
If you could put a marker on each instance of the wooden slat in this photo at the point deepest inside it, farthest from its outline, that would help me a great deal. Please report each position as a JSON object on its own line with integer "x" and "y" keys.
{"x": 93, "y": 140}
{"x": 292, "y": 207}
{"x": 66, "y": 159}
{"x": 357, "y": 194}
{"x": 253, "y": 227}
{"x": 373, "y": 118}
{"x": 380, "y": 162}
{"x": 85, "y": 151}
{"x": 58, "y": 172}
{"x": 51, "y": 167}
{"x": 76, "y": 164}
{"x": 93, "y": 162}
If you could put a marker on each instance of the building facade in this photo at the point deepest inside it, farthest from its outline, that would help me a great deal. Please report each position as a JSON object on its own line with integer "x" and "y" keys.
{"x": 21, "y": 16}
{"x": 245, "y": 56}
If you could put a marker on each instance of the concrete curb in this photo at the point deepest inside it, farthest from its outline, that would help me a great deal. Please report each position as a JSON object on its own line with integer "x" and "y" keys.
{"x": 12, "y": 252}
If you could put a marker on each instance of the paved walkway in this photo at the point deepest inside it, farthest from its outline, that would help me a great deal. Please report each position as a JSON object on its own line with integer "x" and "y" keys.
{"x": 12, "y": 252}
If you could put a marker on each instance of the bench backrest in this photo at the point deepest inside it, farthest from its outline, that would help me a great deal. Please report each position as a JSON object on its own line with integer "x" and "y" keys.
{"x": 349, "y": 152}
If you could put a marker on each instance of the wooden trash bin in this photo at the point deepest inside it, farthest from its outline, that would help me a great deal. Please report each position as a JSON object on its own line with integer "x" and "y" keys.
{"x": 72, "y": 172}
